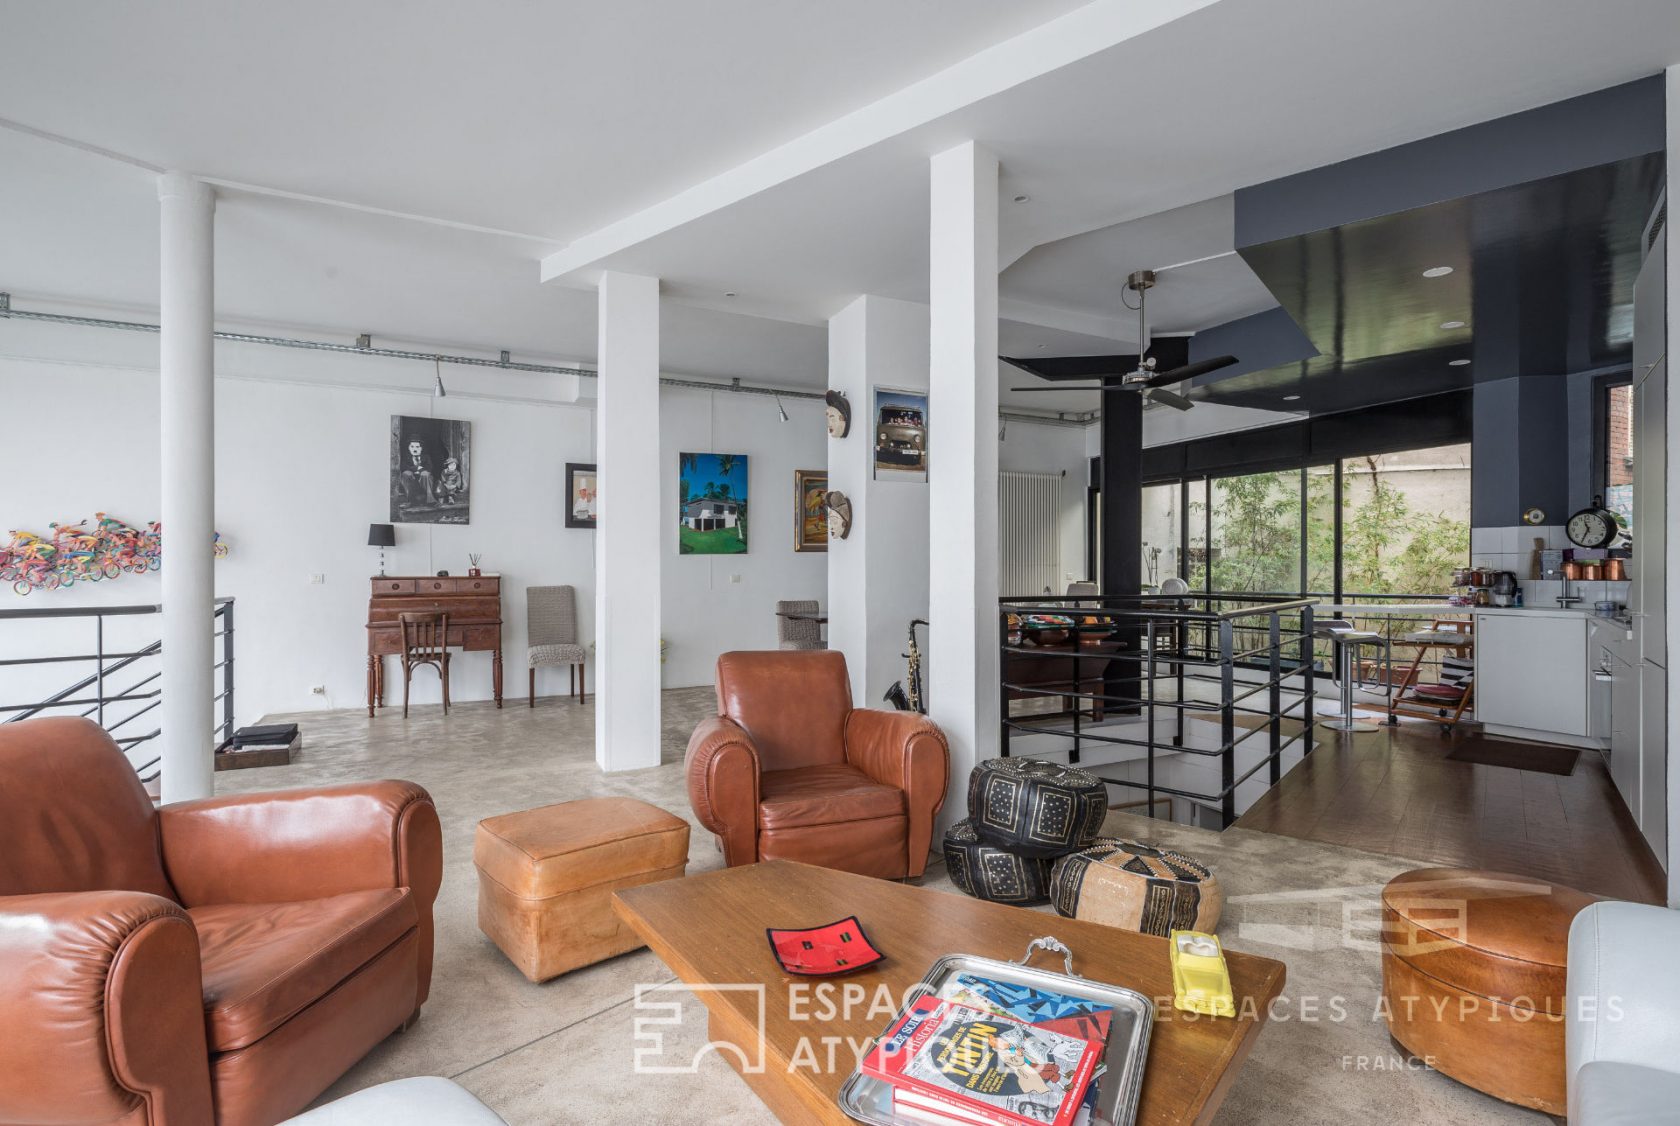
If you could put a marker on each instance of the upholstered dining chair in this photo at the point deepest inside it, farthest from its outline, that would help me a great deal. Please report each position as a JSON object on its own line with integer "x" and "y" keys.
{"x": 425, "y": 639}
{"x": 798, "y": 632}
{"x": 551, "y": 626}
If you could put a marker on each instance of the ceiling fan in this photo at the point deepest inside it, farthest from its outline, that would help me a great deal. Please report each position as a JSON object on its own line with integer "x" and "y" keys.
{"x": 1144, "y": 376}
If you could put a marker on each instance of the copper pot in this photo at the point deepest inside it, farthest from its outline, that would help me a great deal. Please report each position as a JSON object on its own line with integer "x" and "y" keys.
{"x": 1571, "y": 570}
{"x": 1614, "y": 571}
{"x": 1590, "y": 570}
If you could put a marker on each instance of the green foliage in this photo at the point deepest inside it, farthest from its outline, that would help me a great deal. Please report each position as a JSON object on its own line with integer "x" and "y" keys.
{"x": 1387, "y": 548}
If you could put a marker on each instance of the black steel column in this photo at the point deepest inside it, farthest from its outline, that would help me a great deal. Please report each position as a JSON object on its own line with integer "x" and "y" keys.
{"x": 1122, "y": 530}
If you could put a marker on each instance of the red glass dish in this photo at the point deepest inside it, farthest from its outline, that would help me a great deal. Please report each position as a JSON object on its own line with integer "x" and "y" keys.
{"x": 836, "y": 948}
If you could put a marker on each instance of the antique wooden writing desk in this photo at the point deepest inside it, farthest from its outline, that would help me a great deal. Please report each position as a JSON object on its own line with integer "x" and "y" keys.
{"x": 474, "y": 606}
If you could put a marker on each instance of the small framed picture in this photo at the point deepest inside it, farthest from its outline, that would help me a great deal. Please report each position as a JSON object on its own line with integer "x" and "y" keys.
{"x": 580, "y": 495}
{"x": 810, "y": 511}
{"x": 901, "y": 437}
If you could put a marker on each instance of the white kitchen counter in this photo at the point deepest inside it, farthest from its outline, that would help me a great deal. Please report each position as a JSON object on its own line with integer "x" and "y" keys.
{"x": 1424, "y": 609}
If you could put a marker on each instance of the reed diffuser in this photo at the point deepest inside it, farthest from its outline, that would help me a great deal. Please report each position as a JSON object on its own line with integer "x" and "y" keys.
{"x": 472, "y": 565}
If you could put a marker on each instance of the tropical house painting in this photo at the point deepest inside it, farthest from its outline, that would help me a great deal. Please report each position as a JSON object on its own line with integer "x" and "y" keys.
{"x": 711, "y": 504}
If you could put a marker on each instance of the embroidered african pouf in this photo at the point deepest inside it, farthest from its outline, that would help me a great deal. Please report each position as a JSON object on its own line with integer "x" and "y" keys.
{"x": 987, "y": 872}
{"x": 1034, "y": 808}
{"x": 1136, "y": 886}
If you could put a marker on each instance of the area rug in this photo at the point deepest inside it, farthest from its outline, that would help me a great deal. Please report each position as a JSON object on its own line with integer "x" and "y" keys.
{"x": 1541, "y": 757}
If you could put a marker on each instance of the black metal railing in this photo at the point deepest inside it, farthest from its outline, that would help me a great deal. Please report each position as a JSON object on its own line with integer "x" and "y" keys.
{"x": 96, "y": 695}
{"x": 1100, "y": 662}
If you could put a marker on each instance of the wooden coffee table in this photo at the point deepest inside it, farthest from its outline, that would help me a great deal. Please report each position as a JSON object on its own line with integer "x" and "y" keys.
{"x": 709, "y": 929}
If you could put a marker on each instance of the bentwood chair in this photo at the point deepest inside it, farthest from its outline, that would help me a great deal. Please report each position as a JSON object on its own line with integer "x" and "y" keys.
{"x": 797, "y": 626}
{"x": 425, "y": 640}
{"x": 552, "y": 634}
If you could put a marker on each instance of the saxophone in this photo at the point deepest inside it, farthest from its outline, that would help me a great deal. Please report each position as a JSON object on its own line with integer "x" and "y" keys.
{"x": 909, "y": 700}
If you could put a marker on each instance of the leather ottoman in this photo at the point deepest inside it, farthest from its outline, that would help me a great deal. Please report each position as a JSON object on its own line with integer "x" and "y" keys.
{"x": 1474, "y": 978}
{"x": 546, "y": 878}
{"x": 1137, "y": 886}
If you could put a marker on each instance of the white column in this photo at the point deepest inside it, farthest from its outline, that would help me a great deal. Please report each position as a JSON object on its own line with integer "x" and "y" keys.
{"x": 878, "y": 577}
{"x": 1671, "y": 493}
{"x": 963, "y": 460}
{"x": 627, "y": 590}
{"x": 186, "y": 390}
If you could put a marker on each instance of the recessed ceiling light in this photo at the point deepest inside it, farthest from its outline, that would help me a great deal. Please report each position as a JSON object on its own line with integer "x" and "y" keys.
{"x": 1458, "y": 363}
{"x": 1449, "y": 325}
{"x": 1437, "y": 271}
{"x": 1042, "y": 347}
{"x": 1290, "y": 398}
{"x": 731, "y": 293}
{"x": 1022, "y": 198}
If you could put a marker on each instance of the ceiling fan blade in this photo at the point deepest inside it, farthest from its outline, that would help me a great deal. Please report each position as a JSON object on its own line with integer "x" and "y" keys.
{"x": 1167, "y": 398}
{"x": 1191, "y": 371}
{"x": 1066, "y": 387}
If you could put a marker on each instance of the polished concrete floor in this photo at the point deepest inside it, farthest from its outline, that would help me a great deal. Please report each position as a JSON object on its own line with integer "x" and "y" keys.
{"x": 564, "y": 1052}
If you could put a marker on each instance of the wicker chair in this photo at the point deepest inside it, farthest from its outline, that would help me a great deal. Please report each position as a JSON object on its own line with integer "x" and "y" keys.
{"x": 798, "y": 633}
{"x": 551, "y": 625}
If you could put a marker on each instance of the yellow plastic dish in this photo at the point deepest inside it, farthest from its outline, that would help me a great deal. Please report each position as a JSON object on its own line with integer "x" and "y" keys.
{"x": 1201, "y": 984}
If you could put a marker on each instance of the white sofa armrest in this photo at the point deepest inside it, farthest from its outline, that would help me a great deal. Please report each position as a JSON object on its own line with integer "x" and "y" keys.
{"x": 1624, "y": 988}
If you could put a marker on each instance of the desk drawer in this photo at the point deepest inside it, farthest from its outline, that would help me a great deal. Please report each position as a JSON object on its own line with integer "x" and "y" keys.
{"x": 457, "y": 585}
{"x": 384, "y": 585}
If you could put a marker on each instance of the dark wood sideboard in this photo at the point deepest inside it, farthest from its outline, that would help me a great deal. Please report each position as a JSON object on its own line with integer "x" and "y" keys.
{"x": 474, "y": 606}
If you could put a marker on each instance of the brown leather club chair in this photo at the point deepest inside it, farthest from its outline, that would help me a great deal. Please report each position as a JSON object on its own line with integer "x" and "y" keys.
{"x": 789, "y": 770}
{"x": 218, "y": 961}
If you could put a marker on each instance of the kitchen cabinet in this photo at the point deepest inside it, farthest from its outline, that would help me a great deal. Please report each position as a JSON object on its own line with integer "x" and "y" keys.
{"x": 1651, "y": 810}
{"x": 1622, "y": 661}
{"x": 1538, "y": 677}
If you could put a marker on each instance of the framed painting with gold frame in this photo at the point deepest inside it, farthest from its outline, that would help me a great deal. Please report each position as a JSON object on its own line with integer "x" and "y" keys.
{"x": 810, "y": 514}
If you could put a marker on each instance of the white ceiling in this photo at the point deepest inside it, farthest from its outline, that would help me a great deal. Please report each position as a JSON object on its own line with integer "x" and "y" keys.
{"x": 554, "y": 120}
{"x": 1236, "y": 92}
{"x": 547, "y": 118}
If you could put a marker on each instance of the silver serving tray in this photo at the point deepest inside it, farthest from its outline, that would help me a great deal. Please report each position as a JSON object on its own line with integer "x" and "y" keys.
{"x": 870, "y": 1100}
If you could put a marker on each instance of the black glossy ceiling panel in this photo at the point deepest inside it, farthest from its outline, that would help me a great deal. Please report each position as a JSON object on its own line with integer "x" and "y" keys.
{"x": 1541, "y": 285}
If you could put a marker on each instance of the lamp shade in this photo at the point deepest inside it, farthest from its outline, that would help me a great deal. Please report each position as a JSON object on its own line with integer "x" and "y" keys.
{"x": 382, "y": 535}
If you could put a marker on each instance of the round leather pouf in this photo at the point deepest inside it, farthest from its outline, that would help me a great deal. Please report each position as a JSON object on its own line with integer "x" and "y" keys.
{"x": 1475, "y": 978}
{"x": 1035, "y": 808}
{"x": 1136, "y": 886}
{"x": 986, "y": 872}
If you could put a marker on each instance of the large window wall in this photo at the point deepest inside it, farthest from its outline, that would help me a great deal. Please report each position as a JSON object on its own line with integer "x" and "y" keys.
{"x": 1377, "y": 525}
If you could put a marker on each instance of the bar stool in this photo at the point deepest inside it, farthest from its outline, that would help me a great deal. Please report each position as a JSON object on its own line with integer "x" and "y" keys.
{"x": 1348, "y": 640}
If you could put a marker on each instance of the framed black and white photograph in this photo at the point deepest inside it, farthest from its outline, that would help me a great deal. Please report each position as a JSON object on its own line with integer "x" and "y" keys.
{"x": 580, "y": 495}
{"x": 431, "y": 470}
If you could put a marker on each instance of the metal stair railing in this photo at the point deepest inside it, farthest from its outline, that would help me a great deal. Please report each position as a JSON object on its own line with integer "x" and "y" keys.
{"x": 105, "y": 701}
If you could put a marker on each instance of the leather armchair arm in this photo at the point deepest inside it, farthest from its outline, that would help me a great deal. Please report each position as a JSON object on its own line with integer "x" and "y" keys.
{"x": 101, "y": 1010}
{"x": 722, "y": 766}
{"x": 293, "y": 845}
{"x": 906, "y": 750}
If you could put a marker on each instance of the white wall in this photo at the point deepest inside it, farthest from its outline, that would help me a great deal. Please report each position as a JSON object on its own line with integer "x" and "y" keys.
{"x": 712, "y": 604}
{"x": 878, "y": 577}
{"x": 302, "y": 449}
{"x": 1043, "y": 448}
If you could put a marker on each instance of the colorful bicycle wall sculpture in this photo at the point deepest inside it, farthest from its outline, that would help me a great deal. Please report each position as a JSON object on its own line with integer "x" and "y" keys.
{"x": 77, "y": 553}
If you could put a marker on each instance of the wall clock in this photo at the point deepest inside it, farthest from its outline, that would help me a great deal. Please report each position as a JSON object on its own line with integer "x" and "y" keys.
{"x": 1593, "y": 526}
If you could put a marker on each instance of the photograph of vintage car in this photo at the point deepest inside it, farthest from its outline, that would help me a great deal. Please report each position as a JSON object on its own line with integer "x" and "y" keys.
{"x": 900, "y": 434}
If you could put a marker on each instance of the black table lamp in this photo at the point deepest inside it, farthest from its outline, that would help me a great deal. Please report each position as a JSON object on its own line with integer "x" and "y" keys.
{"x": 382, "y": 536}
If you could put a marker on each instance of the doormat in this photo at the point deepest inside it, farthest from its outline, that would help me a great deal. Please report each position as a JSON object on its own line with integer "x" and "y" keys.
{"x": 1540, "y": 757}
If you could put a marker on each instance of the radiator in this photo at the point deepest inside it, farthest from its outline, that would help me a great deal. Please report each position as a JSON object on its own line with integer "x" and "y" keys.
{"x": 1029, "y": 540}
